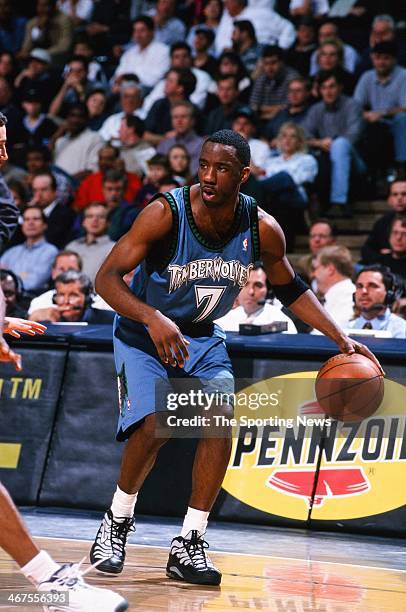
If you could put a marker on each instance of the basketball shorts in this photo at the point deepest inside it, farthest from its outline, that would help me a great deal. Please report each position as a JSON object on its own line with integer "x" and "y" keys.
{"x": 143, "y": 380}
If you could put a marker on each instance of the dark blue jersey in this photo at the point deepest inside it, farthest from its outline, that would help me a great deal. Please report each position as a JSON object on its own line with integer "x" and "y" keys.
{"x": 198, "y": 280}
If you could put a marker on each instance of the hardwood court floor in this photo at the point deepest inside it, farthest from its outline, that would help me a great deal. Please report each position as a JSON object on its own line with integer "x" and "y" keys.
{"x": 250, "y": 582}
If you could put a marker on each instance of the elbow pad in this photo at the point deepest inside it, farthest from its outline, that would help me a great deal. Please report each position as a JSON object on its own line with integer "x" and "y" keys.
{"x": 289, "y": 293}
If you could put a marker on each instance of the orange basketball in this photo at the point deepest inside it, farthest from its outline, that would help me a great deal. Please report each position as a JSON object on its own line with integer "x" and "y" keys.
{"x": 349, "y": 387}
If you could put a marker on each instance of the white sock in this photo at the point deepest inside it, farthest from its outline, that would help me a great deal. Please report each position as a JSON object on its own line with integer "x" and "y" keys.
{"x": 123, "y": 504}
{"x": 194, "y": 519}
{"x": 41, "y": 567}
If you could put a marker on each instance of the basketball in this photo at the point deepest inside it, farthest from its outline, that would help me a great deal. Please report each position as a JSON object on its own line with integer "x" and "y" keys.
{"x": 349, "y": 388}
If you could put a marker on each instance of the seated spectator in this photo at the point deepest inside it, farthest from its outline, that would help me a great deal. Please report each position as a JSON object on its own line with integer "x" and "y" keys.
{"x": 228, "y": 96}
{"x": 269, "y": 26}
{"x": 76, "y": 149}
{"x": 134, "y": 150}
{"x": 59, "y": 218}
{"x": 179, "y": 84}
{"x": 383, "y": 29}
{"x": 12, "y": 28}
{"x": 230, "y": 64}
{"x": 95, "y": 71}
{"x": 37, "y": 128}
{"x": 96, "y": 102}
{"x": 334, "y": 126}
{"x": 183, "y": 124}
{"x": 298, "y": 56}
{"x": 32, "y": 260}
{"x": 130, "y": 102}
{"x": 377, "y": 243}
{"x": 245, "y": 44}
{"x": 211, "y": 13}
{"x": 253, "y": 306}
{"x": 73, "y": 302}
{"x": 179, "y": 165}
{"x": 245, "y": 123}
{"x": 168, "y": 29}
{"x": 333, "y": 269}
{"x": 375, "y": 293}
{"x": 298, "y": 104}
{"x": 38, "y": 75}
{"x": 110, "y": 26}
{"x": 321, "y": 234}
{"x": 158, "y": 169}
{"x": 270, "y": 89}
{"x": 95, "y": 245}
{"x": 287, "y": 174}
{"x": 381, "y": 92}
{"x": 395, "y": 260}
{"x": 38, "y": 159}
{"x": 11, "y": 286}
{"x": 181, "y": 58}
{"x": 330, "y": 56}
{"x": 75, "y": 86}
{"x": 8, "y": 66}
{"x": 49, "y": 29}
{"x": 329, "y": 31}
{"x": 91, "y": 188}
{"x": 201, "y": 45}
{"x": 316, "y": 8}
{"x": 64, "y": 261}
{"x": 79, "y": 11}
{"x": 147, "y": 58}
{"x": 120, "y": 214}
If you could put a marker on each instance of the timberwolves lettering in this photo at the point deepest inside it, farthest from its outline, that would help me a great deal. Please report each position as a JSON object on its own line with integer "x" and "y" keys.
{"x": 20, "y": 388}
{"x": 215, "y": 269}
{"x": 343, "y": 471}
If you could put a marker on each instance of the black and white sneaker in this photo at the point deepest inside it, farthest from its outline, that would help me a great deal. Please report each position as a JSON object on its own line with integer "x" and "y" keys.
{"x": 108, "y": 550}
{"x": 188, "y": 561}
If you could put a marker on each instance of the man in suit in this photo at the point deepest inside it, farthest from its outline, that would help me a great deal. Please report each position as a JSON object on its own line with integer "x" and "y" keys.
{"x": 60, "y": 218}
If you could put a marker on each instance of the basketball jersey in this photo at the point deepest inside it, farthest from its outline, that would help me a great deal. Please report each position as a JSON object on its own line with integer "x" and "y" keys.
{"x": 198, "y": 280}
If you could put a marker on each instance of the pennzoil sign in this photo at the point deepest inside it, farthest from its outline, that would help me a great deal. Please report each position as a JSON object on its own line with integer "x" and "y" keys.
{"x": 362, "y": 466}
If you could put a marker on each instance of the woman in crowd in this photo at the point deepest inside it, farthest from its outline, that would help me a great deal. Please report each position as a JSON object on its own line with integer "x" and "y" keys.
{"x": 179, "y": 164}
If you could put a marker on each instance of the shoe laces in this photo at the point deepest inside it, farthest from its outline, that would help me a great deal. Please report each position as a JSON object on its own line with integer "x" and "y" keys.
{"x": 119, "y": 533}
{"x": 70, "y": 575}
{"x": 195, "y": 547}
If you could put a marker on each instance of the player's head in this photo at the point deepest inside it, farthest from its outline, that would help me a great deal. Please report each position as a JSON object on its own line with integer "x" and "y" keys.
{"x": 3, "y": 139}
{"x": 223, "y": 166}
{"x": 375, "y": 289}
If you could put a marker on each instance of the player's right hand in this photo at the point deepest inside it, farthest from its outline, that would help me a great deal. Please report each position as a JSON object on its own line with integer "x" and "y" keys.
{"x": 6, "y": 354}
{"x": 168, "y": 339}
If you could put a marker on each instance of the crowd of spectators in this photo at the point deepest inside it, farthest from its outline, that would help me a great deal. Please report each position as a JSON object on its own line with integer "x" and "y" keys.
{"x": 109, "y": 101}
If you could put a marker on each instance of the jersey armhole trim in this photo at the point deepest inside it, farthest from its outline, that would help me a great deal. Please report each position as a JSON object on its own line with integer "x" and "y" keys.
{"x": 256, "y": 247}
{"x": 175, "y": 227}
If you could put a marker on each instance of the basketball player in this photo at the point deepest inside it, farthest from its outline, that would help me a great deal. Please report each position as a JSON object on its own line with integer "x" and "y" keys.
{"x": 193, "y": 249}
{"x": 47, "y": 575}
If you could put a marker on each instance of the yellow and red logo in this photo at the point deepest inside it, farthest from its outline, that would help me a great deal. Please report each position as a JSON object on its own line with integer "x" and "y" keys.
{"x": 299, "y": 460}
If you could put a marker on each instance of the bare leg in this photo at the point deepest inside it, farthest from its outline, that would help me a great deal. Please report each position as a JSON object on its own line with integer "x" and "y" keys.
{"x": 14, "y": 536}
{"x": 139, "y": 456}
{"x": 209, "y": 468}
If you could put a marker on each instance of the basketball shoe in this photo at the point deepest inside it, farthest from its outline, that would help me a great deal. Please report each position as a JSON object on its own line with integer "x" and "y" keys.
{"x": 188, "y": 561}
{"x": 108, "y": 550}
{"x": 81, "y": 596}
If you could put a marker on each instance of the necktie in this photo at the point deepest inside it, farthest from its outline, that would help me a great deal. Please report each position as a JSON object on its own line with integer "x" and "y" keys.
{"x": 367, "y": 325}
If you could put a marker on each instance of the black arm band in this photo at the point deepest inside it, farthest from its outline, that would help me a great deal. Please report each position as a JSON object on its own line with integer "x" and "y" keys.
{"x": 287, "y": 294}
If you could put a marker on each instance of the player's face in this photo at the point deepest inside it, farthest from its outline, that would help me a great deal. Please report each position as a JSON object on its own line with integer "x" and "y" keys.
{"x": 397, "y": 197}
{"x": 397, "y": 239}
{"x": 70, "y": 300}
{"x": 319, "y": 237}
{"x": 254, "y": 291}
{"x": 3, "y": 149}
{"x": 220, "y": 174}
{"x": 369, "y": 290}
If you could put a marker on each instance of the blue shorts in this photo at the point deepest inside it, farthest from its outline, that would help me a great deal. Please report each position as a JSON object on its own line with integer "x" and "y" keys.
{"x": 140, "y": 372}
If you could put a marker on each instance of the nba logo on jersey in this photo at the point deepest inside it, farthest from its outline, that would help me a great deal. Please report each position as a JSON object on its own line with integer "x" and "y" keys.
{"x": 245, "y": 244}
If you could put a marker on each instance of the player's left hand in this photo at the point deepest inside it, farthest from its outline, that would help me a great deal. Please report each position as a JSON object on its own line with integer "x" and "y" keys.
{"x": 350, "y": 346}
{"x": 6, "y": 354}
{"x": 14, "y": 325}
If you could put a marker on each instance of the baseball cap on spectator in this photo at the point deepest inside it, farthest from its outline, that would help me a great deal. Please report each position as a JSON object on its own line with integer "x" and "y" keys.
{"x": 387, "y": 47}
{"x": 41, "y": 55}
{"x": 247, "y": 112}
{"x": 31, "y": 95}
